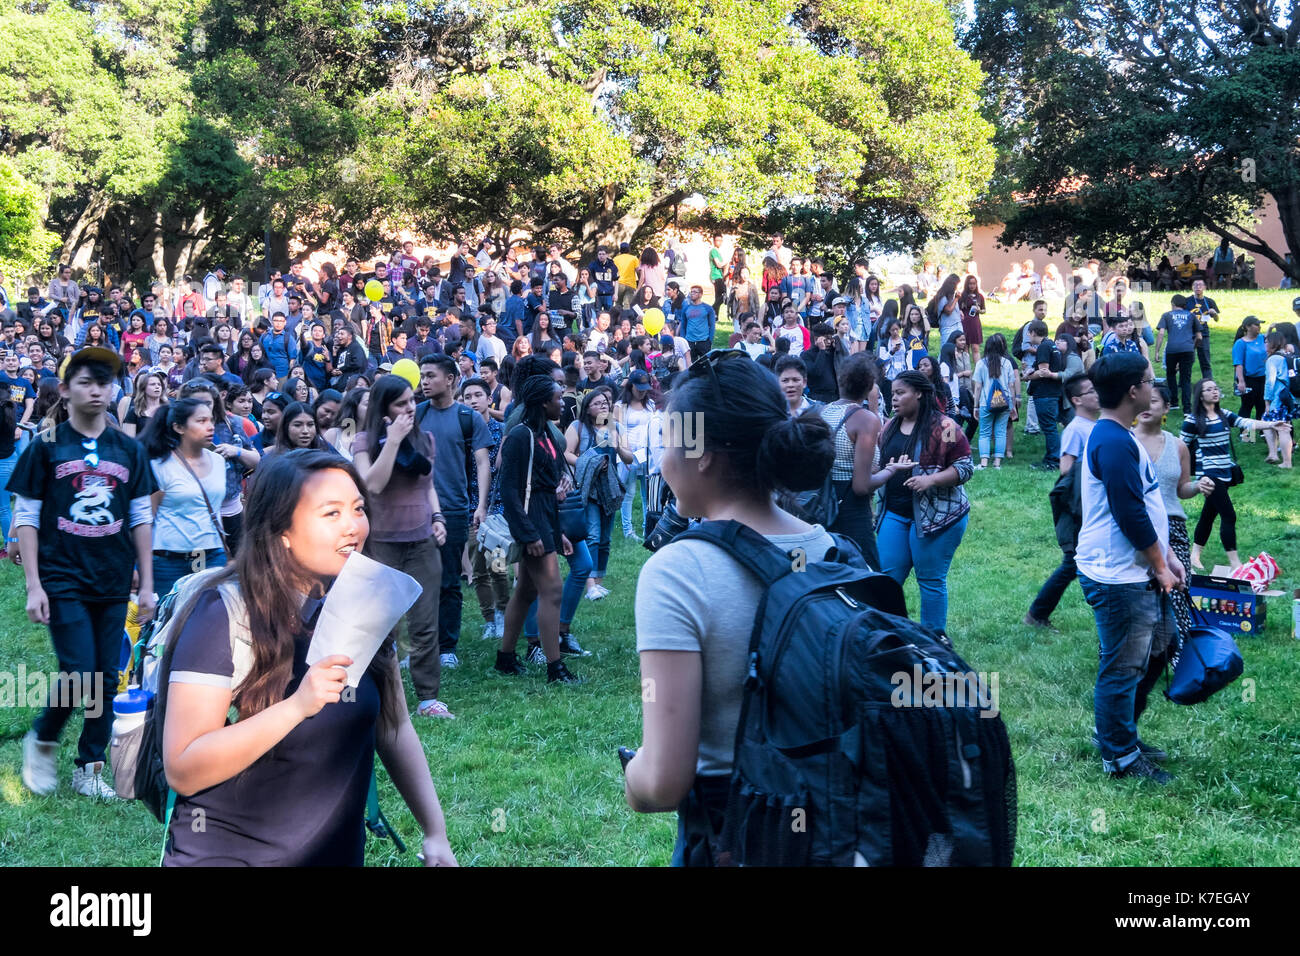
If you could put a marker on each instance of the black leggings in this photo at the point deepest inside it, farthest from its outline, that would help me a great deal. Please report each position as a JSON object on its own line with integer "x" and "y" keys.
{"x": 1219, "y": 505}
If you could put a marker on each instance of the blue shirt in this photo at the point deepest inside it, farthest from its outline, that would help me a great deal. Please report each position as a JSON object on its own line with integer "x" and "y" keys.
{"x": 280, "y": 350}
{"x": 1251, "y": 356}
{"x": 698, "y": 322}
{"x": 515, "y": 311}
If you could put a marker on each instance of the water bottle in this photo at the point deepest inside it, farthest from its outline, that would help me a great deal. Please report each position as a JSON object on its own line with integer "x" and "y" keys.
{"x": 128, "y": 710}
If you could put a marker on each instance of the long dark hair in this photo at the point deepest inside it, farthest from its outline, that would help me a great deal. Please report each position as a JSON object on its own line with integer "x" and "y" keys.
{"x": 926, "y": 411}
{"x": 386, "y": 390}
{"x": 946, "y": 291}
{"x": 649, "y": 257}
{"x": 272, "y": 582}
{"x": 292, "y": 411}
{"x": 995, "y": 347}
{"x": 1197, "y": 412}
{"x": 533, "y": 399}
{"x": 584, "y": 408}
{"x": 746, "y": 420}
{"x": 160, "y": 438}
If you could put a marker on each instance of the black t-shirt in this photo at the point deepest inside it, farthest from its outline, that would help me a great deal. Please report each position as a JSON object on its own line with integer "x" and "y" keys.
{"x": 1046, "y": 354}
{"x": 291, "y": 807}
{"x": 85, "y": 550}
{"x": 898, "y": 498}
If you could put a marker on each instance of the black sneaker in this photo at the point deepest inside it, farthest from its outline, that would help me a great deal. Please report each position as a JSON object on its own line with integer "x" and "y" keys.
{"x": 1043, "y": 466}
{"x": 557, "y": 673}
{"x": 569, "y": 645}
{"x": 1143, "y": 767}
{"x": 508, "y": 663}
{"x": 535, "y": 655}
{"x": 1144, "y": 748}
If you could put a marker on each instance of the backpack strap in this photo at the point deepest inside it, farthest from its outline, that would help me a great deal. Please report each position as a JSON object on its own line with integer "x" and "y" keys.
{"x": 750, "y": 549}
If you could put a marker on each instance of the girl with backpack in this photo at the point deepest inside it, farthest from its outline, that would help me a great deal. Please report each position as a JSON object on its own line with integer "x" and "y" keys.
{"x": 260, "y": 785}
{"x": 925, "y": 510}
{"x": 995, "y": 386}
{"x": 532, "y": 473}
{"x": 1280, "y": 405}
{"x": 692, "y": 637}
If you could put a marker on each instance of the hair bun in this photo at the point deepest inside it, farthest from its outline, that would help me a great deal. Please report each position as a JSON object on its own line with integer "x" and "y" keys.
{"x": 797, "y": 453}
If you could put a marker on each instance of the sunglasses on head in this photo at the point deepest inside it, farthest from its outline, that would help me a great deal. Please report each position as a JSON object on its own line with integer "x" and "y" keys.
{"x": 275, "y": 396}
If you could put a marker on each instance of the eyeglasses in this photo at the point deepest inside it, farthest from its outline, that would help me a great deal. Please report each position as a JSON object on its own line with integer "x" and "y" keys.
{"x": 92, "y": 456}
{"x": 1147, "y": 381}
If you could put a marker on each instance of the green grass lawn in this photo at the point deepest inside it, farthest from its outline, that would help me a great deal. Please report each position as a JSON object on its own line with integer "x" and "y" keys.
{"x": 528, "y": 775}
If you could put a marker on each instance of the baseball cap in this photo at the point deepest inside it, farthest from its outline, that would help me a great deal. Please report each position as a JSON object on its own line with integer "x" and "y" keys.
{"x": 91, "y": 353}
{"x": 666, "y": 341}
{"x": 1295, "y": 303}
{"x": 640, "y": 380}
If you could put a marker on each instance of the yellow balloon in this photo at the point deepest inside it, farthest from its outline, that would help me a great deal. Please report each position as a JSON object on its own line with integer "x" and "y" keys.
{"x": 653, "y": 320}
{"x": 408, "y": 370}
{"x": 374, "y": 290}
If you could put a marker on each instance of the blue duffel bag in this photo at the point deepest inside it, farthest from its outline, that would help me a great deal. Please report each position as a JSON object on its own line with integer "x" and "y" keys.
{"x": 1209, "y": 662}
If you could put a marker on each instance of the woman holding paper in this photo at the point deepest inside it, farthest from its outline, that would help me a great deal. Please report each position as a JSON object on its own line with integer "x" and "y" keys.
{"x": 260, "y": 786}
{"x": 395, "y": 460}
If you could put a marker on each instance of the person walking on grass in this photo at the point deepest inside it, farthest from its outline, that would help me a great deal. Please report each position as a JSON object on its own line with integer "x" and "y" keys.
{"x": 1280, "y": 404}
{"x": 1126, "y": 567}
{"x": 84, "y": 520}
{"x": 261, "y": 784}
{"x": 1082, "y": 395}
{"x": 532, "y": 476}
{"x": 395, "y": 460}
{"x": 1044, "y": 379}
{"x": 1207, "y": 432}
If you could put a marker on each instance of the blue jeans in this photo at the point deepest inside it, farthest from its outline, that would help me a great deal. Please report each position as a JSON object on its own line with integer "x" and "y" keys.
{"x": 575, "y": 585}
{"x": 636, "y": 479}
{"x": 1049, "y": 410}
{"x": 6, "y": 516}
{"x": 1128, "y": 620}
{"x": 994, "y": 424}
{"x": 170, "y": 568}
{"x": 600, "y": 527}
{"x": 902, "y": 548}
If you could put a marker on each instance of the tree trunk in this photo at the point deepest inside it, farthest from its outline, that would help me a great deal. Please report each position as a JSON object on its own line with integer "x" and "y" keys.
{"x": 604, "y": 226}
{"x": 79, "y": 248}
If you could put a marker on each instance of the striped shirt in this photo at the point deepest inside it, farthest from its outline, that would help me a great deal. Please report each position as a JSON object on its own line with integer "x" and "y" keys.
{"x": 1212, "y": 453}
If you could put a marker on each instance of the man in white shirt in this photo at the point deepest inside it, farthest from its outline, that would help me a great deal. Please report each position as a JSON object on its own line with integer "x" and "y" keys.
{"x": 1126, "y": 567}
{"x": 488, "y": 345}
{"x": 778, "y": 251}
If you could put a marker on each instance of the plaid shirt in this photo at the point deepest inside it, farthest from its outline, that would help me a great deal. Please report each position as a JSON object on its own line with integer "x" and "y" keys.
{"x": 940, "y": 506}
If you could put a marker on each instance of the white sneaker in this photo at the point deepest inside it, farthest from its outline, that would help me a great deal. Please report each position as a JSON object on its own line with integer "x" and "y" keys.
{"x": 595, "y": 594}
{"x": 89, "y": 781}
{"x": 405, "y": 663}
{"x": 604, "y": 591}
{"x": 449, "y": 661}
{"x": 40, "y": 764}
{"x": 489, "y": 632}
{"x": 499, "y": 622}
{"x": 536, "y": 655}
{"x": 434, "y": 708}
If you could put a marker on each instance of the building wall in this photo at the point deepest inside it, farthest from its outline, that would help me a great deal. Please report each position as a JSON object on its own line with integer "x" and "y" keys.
{"x": 995, "y": 260}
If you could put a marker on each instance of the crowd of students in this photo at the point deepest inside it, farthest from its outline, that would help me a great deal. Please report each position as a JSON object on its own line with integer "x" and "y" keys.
{"x": 405, "y": 412}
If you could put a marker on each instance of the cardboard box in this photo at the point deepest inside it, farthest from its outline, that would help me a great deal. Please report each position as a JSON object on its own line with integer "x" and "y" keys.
{"x": 1230, "y": 603}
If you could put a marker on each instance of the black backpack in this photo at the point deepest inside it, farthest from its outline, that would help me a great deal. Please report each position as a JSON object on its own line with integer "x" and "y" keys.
{"x": 466, "y": 418}
{"x": 845, "y": 755}
{"x": 1293, "y": 374}
{"x": 821, "y": 505}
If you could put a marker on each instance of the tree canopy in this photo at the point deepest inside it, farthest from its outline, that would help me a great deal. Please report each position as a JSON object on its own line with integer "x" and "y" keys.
{"x": 169, "y": 133}
{"x": 1124, "y": 121}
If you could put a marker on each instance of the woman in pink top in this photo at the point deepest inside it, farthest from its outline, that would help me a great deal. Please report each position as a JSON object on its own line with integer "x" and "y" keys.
{"x": 651, "y": 272}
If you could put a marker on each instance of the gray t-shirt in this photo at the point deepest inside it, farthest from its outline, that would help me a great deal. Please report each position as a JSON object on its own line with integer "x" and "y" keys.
{"x": 1181, "y": 329}
{"x": 449, "y": 475}
{"x": 693, "y": 596}
{"x": 1074, "y": 439}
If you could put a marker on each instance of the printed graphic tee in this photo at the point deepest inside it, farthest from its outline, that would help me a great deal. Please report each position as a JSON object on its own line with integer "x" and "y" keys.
{"x": 85, "y": 487}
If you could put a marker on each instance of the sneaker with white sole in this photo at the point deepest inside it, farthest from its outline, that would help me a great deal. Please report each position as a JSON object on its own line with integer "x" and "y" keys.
{"x": 40, "y": 764}
{"x": 449, "y": 661}
{"x": 89, "y": 781}
{"x": 499, "y": 622}
{"x": 535, "y": 654}
{"x": 489, "y": 632}
{"x": 594, "y": 594}
{"x": 434, "y": 708}
{"x": 570, "y": 646}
